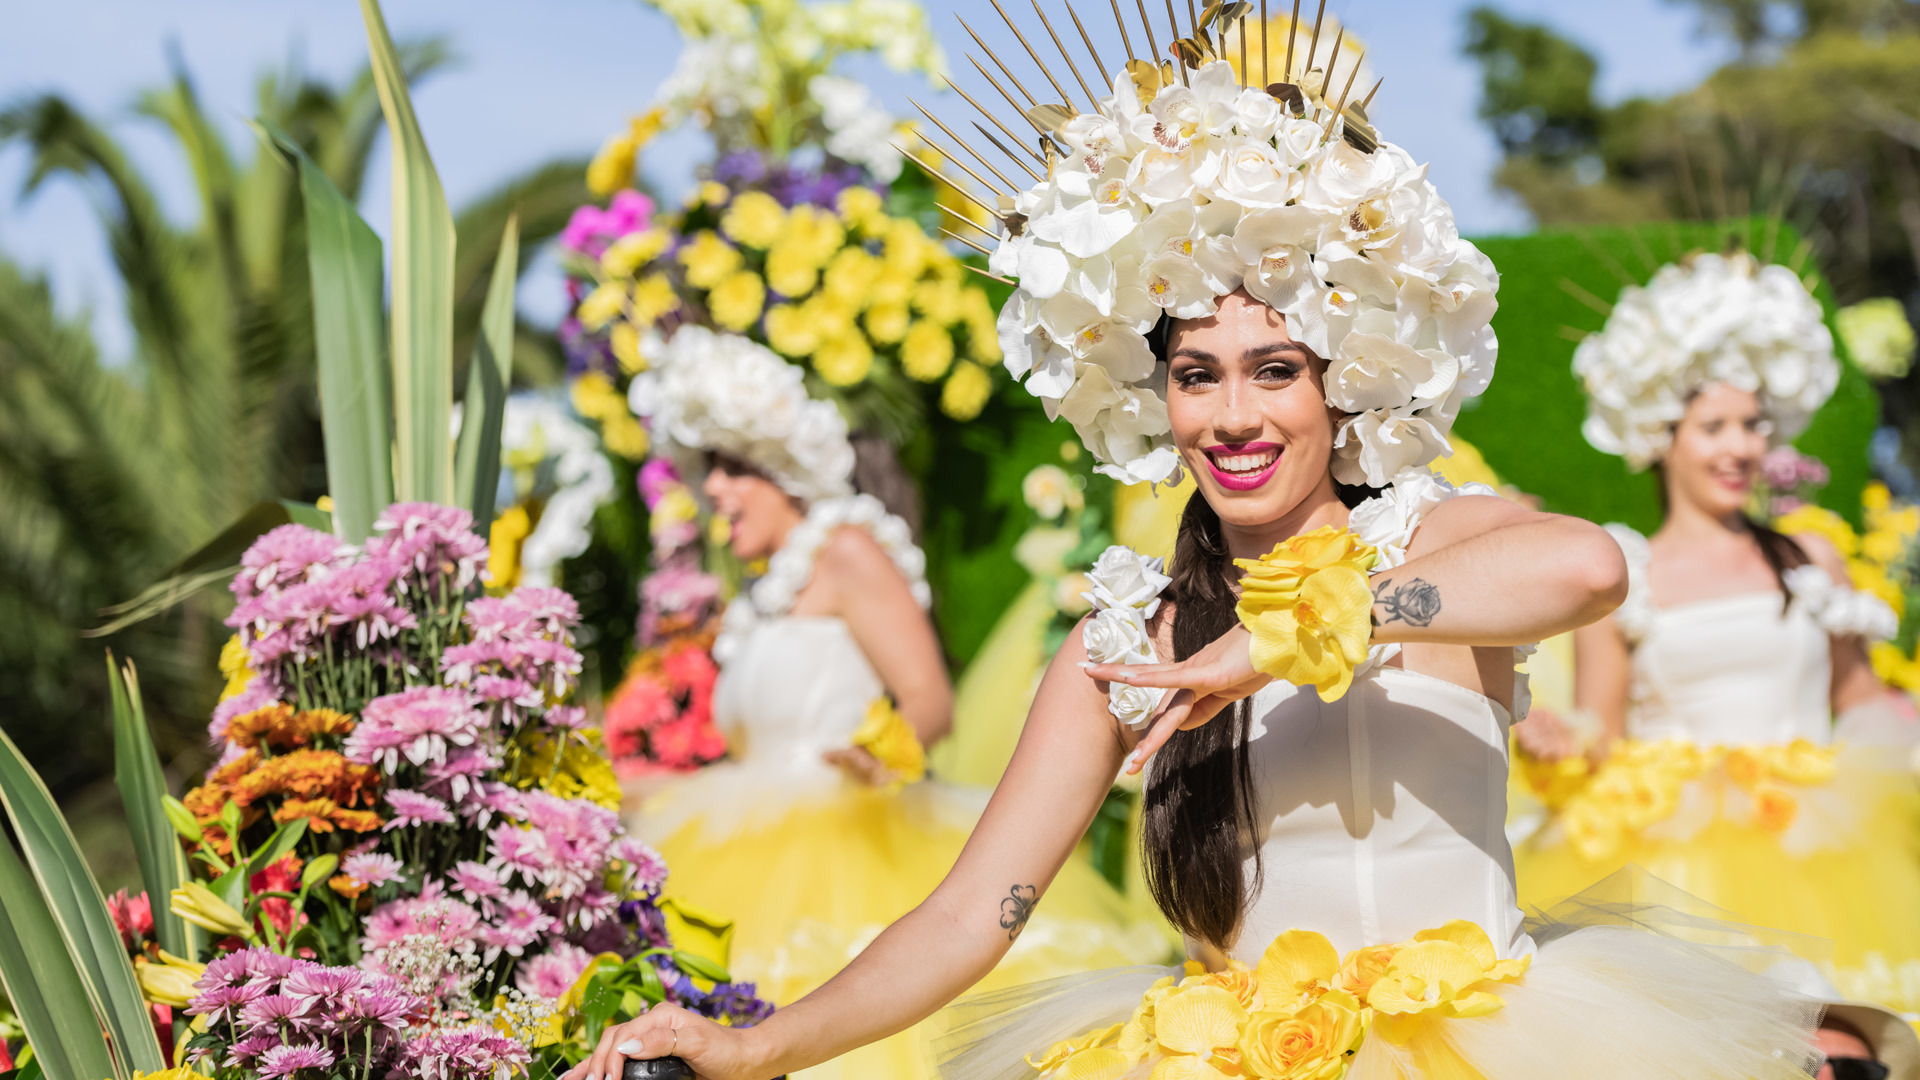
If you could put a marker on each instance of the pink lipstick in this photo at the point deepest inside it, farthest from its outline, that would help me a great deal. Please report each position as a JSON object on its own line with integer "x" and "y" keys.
{"x": 1243, "y": 466}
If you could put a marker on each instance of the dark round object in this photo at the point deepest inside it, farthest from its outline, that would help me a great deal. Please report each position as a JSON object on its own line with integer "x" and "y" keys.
{"x": 666, "y": 1068}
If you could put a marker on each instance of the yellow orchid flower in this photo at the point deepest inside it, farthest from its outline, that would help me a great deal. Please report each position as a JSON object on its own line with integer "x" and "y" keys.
{"x": 1317, "y": 637}
{"x": 1362, "y": 968}
{"x": 892, "y": 741}
{"x": 1295, "y": 965}
{"x": 169, "y": 982}
{"x": 1059, "y": 1052}
{"x": 1196, "y": 1024}
{"x": 1774, "y": 807}
{"x": 1470, "y": 937}
{"x": 198, "y": 905}
{"x": 1433, "y": 977}
{"x": 1099, "y": 1063}
{"x": 1310, "y": 1042}
{"x": 1800, "y": 762}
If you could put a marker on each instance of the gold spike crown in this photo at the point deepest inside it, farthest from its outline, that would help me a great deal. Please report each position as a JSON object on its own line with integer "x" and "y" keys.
{"x": 1176, "y": 180}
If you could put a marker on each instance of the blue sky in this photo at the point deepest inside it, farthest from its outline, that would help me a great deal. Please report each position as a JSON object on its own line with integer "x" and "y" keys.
{"x": 537, "y": 80}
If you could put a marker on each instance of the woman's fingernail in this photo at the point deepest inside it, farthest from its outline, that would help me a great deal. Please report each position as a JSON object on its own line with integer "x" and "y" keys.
{"x": 1085, "y": 664}
{"x": 631, "y": 1046}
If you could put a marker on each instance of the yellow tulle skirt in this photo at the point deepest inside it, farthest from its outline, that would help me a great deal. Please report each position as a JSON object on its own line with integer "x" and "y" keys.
{"x": 1819, "y": 842}
{"x": 811, "y": 874}
{"x": 1621, "y": 984}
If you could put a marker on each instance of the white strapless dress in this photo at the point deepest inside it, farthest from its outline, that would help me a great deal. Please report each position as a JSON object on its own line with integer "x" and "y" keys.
{"x": 1732, "y": 786}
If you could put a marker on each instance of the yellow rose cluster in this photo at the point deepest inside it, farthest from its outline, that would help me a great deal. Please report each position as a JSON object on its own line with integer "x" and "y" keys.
{"x": 839, "y": 289}
{"x": 892, "y": 741}
{"x": 1641, "y": 784}
{"x": 1301, "y": 1014}
{"x": 1308, "y": 606}
{"x": 1878, "y": 561}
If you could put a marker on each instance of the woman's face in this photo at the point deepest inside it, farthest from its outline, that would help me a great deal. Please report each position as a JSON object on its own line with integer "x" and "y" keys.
{"x": 1249, "y": 411}
{"x": 758, "y": 513}
{"x": 1716, "y": 451}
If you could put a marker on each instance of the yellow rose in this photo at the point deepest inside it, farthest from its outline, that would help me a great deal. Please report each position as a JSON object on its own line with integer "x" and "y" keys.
{"x": 612, "y": 167}
{"x": 844, "y": 360}
{"x": 1238, "y": 980}
{"x": 927, "y": 353}
{"x": 792, "y": 269}
{"x": 603, "y": 305}
{"x": 1362, "y": 968}
{"x": 708, "y": 259}
{"x": 1774, "y": 807}
{"x": 754, "y": 219}
{"x": 625, "y": 341}
{"x": 737, "y": 301}
{"x": 1745, "y": 767}
{"x": 633, "y": 251}
{"x": 887, "y": 324}
{"x": 966, "y": 392}
{"x": 1311, "y": 1042}
{"x": 1278, "y": 575}
{"x": 790, "y": 331}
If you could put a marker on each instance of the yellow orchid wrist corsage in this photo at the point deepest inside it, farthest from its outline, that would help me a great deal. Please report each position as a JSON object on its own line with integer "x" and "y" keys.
{"x": 1308, "y": 607}
{"x": 893, "y": 742}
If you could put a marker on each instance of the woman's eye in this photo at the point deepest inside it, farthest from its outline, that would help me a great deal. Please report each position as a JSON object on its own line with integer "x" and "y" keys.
{"x": 1193, "y": 377}
{"x": 1277, "y": 373}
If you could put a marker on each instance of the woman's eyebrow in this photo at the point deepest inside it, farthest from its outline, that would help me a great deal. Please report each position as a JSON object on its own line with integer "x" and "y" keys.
{"x": 1272, "y": 348}
{"x": 1196, "y": 354}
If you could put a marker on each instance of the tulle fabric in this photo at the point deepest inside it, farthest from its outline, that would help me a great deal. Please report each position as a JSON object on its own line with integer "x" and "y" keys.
{"x": 1845, "y": 873}
{"x": 1631, "y": 979}
{"x": 810, "y": 874}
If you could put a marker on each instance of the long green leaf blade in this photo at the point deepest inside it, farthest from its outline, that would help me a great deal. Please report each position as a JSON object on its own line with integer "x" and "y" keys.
{"x": 42, "y": 982}
{"x": 421, "y": 302}
{"x": 79, "y": 911}
{"x": 477, "y": 457}
{"x": 136, "y": 771}
{"x": 344, "y": 261}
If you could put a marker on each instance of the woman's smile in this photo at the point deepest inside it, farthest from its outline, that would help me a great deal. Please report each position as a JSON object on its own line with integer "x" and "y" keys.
{"x": 1243, "y": 466}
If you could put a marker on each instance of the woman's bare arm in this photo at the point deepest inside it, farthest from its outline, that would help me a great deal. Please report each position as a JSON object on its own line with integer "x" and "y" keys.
{"x": 867, "y": 590}
{"x": 1854, "y": 682}
{"x": 1062, "y": 768}
{"x": 1602, "y": 671}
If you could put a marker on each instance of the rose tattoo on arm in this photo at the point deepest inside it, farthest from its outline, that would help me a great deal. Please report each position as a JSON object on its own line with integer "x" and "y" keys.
{"x": 1415, "y": 603}
{"x": 1017, "y": 908}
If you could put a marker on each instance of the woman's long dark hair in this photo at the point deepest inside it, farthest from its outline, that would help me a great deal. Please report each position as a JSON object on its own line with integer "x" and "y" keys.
{"x": 1199, "y": 813}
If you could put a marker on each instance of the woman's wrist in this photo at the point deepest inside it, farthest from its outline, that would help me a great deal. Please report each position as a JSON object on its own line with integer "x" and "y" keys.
{"x": 760, "y": 1046}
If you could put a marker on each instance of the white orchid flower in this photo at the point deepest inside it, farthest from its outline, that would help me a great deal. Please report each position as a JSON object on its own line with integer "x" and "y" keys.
{"x": 1096, "y": 211}
{"x": 1176, "y": 285}
{"x": 1375, "y": 370}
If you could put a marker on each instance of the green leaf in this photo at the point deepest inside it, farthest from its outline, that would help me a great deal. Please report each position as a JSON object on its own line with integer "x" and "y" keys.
{"x": 277, "y": 846}
{"x": 182, "y": 819}
{"x": 700, "y": 967}
{"x": 319, "y": 870}
{"x": 344, "y": 261}
{"x": 421, "y": 311}
{"x": 216, "y": 561}
{"x": 43, "y": 982}
{"x": 136, "y": 771}
{"x": 79, "y": 912}
{"x": 477, "y": 457}
{"x": 598, "y": 1008}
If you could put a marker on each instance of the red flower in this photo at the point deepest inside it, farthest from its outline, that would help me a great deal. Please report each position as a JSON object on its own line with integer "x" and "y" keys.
{"x": 281, "y": 876}
{"x": 133, "y": 917}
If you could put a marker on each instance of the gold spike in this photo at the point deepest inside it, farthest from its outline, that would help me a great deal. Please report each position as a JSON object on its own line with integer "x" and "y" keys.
{"x": 962, "y": 166}
{"x": 1148, "y": 23}
{"x": 956, "y": 236}
{"x": 1243, "y": 54}
{"x": 1293, "y": 28}
{"x": 1800, "y": 253}
{"x": 1571, "y": 333}
{"x": 1266, "y": 76}
{"x": 938, "y": 175}
{"x": 1050, "y": 119}
{"x": 1567, "y": 286}
{"x": 1001, "y": 64}
{"x": 1002, "y": 147}
{"x": 1017, "y": 107}
{"x": 1344, "y": 91}
{"x": 1174, "y": 21}
{"x": 1193, "y": 20}
{"x": 988, "y": 165}
{"x": 988, "y": 276}
{"x": 998, "y": 124}
{"x": 1092, "y": 102}
{"x": 1125, "y": 37}
{"x": 958, "y": 216}
{"x": 1034, "y": 56}
{"x": 1605, "y": 258}
{"x": 1333, "y": 62}
{"x": 1368, "y": 100}
{"x": 1313, "y": 47}
{"x": 1100, "y": 66}
{"x": 1642, "y": 251}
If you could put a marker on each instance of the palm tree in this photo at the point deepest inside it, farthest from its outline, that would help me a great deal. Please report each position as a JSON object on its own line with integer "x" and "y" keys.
{"x": 111, "y": 473}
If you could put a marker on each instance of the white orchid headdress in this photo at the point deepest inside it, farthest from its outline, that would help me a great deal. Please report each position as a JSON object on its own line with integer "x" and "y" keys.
{"x": 725, "y": 394}
{"x": 1185, "y": 184}
{"x": 1708, "y": 318}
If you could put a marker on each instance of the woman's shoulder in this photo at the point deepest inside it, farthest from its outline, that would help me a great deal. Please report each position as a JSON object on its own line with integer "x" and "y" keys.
{"x": 1820, "y": 552}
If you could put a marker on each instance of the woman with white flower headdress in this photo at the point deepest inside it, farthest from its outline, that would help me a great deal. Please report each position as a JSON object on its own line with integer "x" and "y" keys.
{"x": 1247, "y": 284}
{"x": 821, "y": 829}
{"x": 1704, "y": 748}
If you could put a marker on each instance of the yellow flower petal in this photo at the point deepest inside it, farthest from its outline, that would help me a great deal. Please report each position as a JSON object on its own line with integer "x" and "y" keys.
{"x": 1466, "y": 935}
{"x": 1199, "y": 1021}
{"x": 1294, "y": 962}
{"x": 1425, "y": 975}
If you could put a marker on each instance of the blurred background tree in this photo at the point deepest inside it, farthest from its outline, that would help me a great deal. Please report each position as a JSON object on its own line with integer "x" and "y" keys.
{"x": 113, "y": 469}
{"x": 1817, "y": 118}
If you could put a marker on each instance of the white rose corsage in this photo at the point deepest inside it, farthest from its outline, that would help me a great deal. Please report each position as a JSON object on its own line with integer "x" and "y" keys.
{"x": 1124, "y": 589}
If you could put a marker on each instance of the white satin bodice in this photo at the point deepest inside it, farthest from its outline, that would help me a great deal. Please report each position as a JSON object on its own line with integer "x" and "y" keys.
{"x": 1381, "y": 814}
{"x": 797, "y": 687}
{"x": 1731, "y": 671}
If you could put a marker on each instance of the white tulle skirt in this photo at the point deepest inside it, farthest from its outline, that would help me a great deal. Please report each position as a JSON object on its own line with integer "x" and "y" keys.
{"x": 1617, "y": 988}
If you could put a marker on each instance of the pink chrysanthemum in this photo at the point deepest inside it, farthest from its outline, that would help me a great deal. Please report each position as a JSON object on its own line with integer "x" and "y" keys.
{"x": 372, "y": 870}
{"x": 552, "y": 973}
{"x": 411, "y": 808}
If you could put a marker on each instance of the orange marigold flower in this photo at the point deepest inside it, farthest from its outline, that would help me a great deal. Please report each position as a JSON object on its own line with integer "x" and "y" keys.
{"x": 346, "y": 886}
{"x": 357, "y": 820}
{"x": 262, "y": 725}
{"x": 323, "y": 722}
{"x": 318, "y": 812}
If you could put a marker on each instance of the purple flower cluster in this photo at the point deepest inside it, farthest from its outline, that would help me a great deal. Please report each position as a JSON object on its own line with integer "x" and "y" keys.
{"x": 519, "y": 650}
{"x": 469, "y": 1053}
{"x": 277, "y": 1016}
{"x": 1791, "y": 477}
{"x": 435, "y": 546}
{"x": 791, "y": 184}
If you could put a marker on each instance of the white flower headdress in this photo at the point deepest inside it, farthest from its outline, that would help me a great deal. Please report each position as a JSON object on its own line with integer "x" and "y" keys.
{"x": 728, "y": 395}
{"x": 1706, "y": 319}
{"x": 1184, "y": 185}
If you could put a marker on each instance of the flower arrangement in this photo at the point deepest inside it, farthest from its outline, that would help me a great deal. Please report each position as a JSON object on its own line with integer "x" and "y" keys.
{"x": 1708, "y": 318}
{"x": 1123, "y": 589}
{"x": 1175, "y": 192}
{"x": 554, "y": 479}
{"x": 1308, "y": 606}
{"x": 407, "y": 812}
{"x": 1302, "y": 1013}
{"x": 1883, "y": 562}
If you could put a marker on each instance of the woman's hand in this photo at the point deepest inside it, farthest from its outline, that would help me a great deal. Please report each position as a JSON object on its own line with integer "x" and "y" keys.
{"x": 715, "y": 1052}
{"x": 859, "y": 763}
{"x": 1201, "y": 685}
{"x": 1546, "y": 737}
